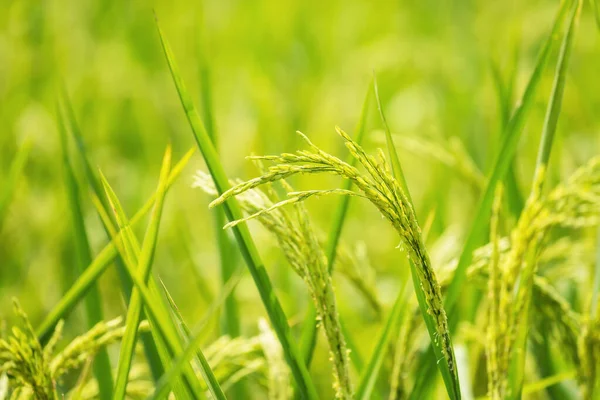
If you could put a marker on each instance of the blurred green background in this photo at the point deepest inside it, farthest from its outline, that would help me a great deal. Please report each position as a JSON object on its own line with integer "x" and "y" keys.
{"x": 274, "y": 67}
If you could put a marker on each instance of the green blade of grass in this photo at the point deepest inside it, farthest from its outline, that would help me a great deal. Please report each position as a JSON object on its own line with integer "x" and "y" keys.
{"x": 517, "y": 367}
{"x": 93, "y": 301}
{"x": 448, "y": 373}
{"x": 504, "y": 92}
{"x": 505, "y": 155}
{"x": 276, "y": 315}
{"x": 308, "y": 339}
{"x": 10, "y": 182}
{"x": 501, "y": 164}
{"x": 230, "y": 323}
{"x": 166, "y": 346}
{"x": 162, "y": 326}
{"x": 185, "y": 331}
{"x": 193, "y": 346}
{"x": 205, "y": 369}
{"x": 558, "y": 88}
{"x": 195, "y": 341}
{"x": 95, "y": 269}
{"x": 144, "y": 265}
{"x": 369, "y": 375}
{"x": 93, "y": 181}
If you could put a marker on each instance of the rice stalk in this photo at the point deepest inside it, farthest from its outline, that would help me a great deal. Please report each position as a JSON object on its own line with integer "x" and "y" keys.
{"x": 35, "y": 371}
{"x": 96, "y": 187}
{"x": 93, "y": 301}
{"x": 522, "y": 259}
{"x": 309, "y": 331}
{"x": 162, "y": 327}
{"x": 102, "y": 261}
{"x": 494, "y": 287}
{"x": 380, "y": 188}
{"x": 305, "y": 255}
{"x": 246, "y": 245}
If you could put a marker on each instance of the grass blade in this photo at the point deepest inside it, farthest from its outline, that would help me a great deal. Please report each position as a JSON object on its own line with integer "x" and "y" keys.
{"x": 517, "y": 368}
{"x": 93, "y": 302}
{"x": 95, "y": 269}
{"x": 446, "y": 368}
{"x": 93, "y": 181}
{"x": 369, "y": 375}
{"x": 96, "y": 187}
{"x": 230, "y": 323}
{"x": 205, "y": 369}
{"x": 10, "y": 183}
{"x": 192, "y": 348}
{"x": 167, "y": 342}
{"x": 144, "y": 265}
{"x": 250, "y": 253}
{"x": 501, "y": 164}
{"x": 309, "y": 332}
{"x": 504, "y": 92}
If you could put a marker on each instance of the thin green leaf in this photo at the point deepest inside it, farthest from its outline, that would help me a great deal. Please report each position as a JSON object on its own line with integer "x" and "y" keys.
{"x": 165, "y": 345}
{"x": 193, "y": 347}
{"x": 185, "y": 331}
{"x": 501, "y": 164}
{"x": 93, "y": 301}
{"x": 205, "y": 369}
{"x": 144, "y": 265}
{"x": 10, "y": 183}
{"x": 517, "y": 366}
{"x": 78, "y": 290}
{"x": 230, "y": 324}
{"x": 309, "y": 332}
{"x": 504, "y": 94}
{"x": 369, "y": 375}
{"x": 250, "y": 253}
{"x": 93, "y": 181}
{"x": 447, "y": 371}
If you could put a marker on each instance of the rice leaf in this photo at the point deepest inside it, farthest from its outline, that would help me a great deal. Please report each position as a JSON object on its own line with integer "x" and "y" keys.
{"x": 447, "y": 367}
{"x": 94, "y": 183}
{"x": 369, "y": 375}
{"x": 502, "y": 163}
{"x": 144, "y": 264}
{"x": 250, "y": 253}
{"x": 205, "y": 369}
{"x": 9, "y": 184}
{"x": 308, "y": 338}
{"x": 165, "y": 345}
{"x": 230, "y": 324}
{"x": 504, "y": 91}
{"x": 95, "y": 269}
{"x": 93, "y": 301}
{"x": 195, "y": 338}
{"x": 517, "y": 369}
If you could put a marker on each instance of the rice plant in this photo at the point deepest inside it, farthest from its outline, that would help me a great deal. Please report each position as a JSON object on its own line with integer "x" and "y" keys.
{"x": 447, "y": 247}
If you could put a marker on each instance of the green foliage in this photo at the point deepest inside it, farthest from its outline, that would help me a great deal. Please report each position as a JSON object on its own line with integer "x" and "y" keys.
{"x": 500, "y": 225}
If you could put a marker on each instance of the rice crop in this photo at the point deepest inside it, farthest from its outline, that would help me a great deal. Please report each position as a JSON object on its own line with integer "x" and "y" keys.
{"x": 446, "y": 247}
